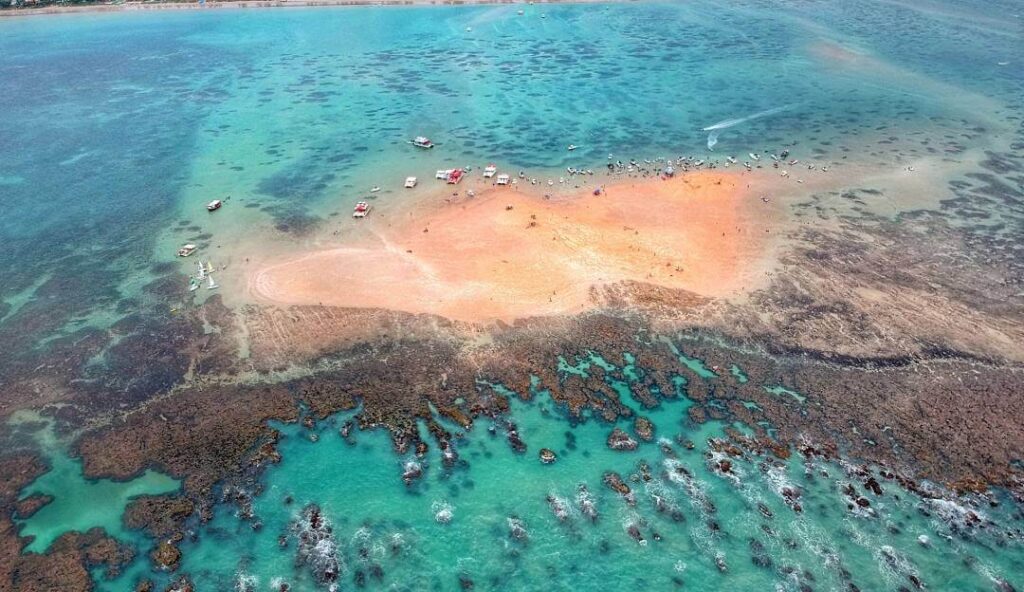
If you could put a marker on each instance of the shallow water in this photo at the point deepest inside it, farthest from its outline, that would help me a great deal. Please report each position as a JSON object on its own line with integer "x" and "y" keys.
{"x": 127, "y": 124}
{"x": 378, "y": 522}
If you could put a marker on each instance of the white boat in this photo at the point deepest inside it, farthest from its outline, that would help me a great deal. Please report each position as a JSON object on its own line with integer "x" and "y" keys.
{"x": 572, "y": 147}
{"x": 193, "y": 284}
{"x": 374, "y": 189}
{"x": 422, "y": 142}
{"x": 186, "y": 250}
{"x": 490, "y": 170}
{"x": 503, "y": 180}
{"x": 443, "y": 174}
{"x": 410, "y": 182}
{"x": 214, "y": 205}
{"x": 202, "y": 271}
{"x": 754, "y": 156}
{"x": 361, "y": 210}
{"x": 212, "y": 285}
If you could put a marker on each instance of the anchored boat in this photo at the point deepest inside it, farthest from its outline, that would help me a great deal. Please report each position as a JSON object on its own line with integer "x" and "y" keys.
{"x": 422, "y": 142}
{"x": 410, "y": 182}
{"x": 490, "y": 170}
{"x": 186, "y": 250}
{"x": 214, "y": 205}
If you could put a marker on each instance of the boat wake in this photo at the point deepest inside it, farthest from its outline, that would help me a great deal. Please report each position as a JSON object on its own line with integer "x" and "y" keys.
{"x": 717, "y": 128}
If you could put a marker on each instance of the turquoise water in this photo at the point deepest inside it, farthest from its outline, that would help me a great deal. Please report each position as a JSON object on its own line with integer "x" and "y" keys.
{"x": 78, "y": 503}
{"x": 127, "y": 124}
{"x": 118, "y": 128}
{"x": 688, "y": 523}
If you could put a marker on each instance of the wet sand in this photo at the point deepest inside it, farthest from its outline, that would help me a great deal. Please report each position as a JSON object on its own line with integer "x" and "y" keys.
{"x": 478, "y": 260}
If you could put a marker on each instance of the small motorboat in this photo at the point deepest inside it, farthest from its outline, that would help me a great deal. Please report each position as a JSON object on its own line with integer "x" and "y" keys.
{"x": 572, "y": 147}
{"x": 422, "y": 142}
{"x": 410, "y": 182}
{"x": 455, "y": 176}
{"x": 503, "y": 179}
{"x": 490, "y": 170}
{"x": 754, "y": 156}
{"x": 361, "y": 210}
{"x": 214, "y": 205}
{"x": 374, "y": 189}
{"x": 186, "y": 250}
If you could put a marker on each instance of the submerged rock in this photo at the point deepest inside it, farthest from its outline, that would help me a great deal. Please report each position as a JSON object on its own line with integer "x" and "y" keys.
{"x": 166, "y": 556}
{"x": 317, "y": 549}
{"x": 27, "y": 507}
{"x": 558, "y": 507}
{"x": 514, "y": 440}
{"x": 620, "y": 440}
{"x": 411, "y": 472}
{"x": 633, "y": 529}
{"x": 586, "y": 503}
{"x": 517, "y": 528}
{"x": 643, "y": 428}
{"x": 614, "y": 482}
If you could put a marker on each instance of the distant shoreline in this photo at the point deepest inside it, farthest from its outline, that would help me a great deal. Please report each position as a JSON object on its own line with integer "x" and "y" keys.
{"x": 193, "y": 5}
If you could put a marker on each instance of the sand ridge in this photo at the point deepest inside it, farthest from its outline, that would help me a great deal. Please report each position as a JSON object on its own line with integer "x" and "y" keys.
{"x": 511, "y": 253}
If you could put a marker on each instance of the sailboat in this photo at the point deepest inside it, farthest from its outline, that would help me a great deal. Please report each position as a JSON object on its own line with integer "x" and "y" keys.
{"x": 209, "y": 267}
{"x": 212, "y": 285}
{"x": 193, "y": 284}
{"x": 202, "y": 270}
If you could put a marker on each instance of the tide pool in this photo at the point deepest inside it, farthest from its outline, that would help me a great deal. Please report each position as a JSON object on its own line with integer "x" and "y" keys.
{"x": 79, "y": 504}
{"x": 701, "y": 528}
